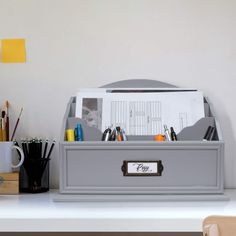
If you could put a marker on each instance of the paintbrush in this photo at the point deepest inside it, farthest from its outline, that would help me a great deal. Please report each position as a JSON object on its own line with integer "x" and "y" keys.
{"x": 7, "y": 120}
{"x": 1, "y": 130}
{"x": 17, "y": 122}
{"x": 4, "y": 133}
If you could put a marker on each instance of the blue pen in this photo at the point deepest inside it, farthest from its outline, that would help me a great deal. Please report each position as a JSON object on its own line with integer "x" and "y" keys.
{"x": 76, "y": 133}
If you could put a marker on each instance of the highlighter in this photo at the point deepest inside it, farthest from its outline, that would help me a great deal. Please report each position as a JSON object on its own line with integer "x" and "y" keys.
{"x": 70, "y": 135}
{"x": 159, "y": 137}
{"x": 79, "y": 132}
{"x": 118, "y": 134}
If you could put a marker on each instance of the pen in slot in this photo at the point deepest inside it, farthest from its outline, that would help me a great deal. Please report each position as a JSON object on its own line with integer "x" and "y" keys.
{"x": 79, "y": 132}
{"x": 118, "y": 134}
{"x": 113, "y": 135}
{"x": 124, "y": 137}
{"x": 173, "y": 134}
{"x": 209, "y": 133}
{"x": 211, "y": 136}
{"x": 167, "y": 134}
{"x": 76, "y": 133}
{"x": 106, "y": 134}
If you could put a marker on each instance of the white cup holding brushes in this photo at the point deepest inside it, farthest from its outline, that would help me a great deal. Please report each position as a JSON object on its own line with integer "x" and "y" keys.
{"x": 6, "y": 163}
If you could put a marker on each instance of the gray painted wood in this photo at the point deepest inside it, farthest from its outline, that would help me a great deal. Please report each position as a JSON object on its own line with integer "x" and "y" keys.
{"x": 192, "y": 167}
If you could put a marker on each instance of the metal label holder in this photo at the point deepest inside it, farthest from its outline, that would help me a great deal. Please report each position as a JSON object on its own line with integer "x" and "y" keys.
{"x": 142, "y": 168}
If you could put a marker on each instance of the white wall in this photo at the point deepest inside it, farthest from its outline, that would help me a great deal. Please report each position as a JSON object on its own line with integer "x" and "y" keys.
{"x": 73, "y": 44}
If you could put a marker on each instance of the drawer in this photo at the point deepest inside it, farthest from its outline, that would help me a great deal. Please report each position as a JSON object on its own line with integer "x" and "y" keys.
{"x": 97, "y": 168}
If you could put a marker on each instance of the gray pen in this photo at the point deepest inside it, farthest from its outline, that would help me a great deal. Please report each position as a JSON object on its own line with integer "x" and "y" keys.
{"x": 167, "y": 134}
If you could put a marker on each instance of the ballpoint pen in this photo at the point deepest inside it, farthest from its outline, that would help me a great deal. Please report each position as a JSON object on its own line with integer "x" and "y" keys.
{"x": 173, "y": 134}
{"x": 167, "y": 134}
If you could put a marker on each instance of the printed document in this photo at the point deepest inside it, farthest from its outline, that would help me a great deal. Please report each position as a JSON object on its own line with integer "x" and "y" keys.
{"x": 140, "y": 111}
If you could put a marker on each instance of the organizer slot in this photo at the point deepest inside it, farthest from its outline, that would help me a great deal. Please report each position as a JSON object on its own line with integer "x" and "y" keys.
{"x": 89, "y": 133}
{"x": 197, "y": 131}
{"x": 191, "y": 133}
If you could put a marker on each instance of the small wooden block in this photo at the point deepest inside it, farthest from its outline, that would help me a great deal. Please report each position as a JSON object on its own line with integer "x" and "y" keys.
{"x": 9, "y": 183}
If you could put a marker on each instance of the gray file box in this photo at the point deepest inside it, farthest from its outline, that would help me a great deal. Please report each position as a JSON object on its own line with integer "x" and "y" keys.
{"x": 189, "y": 166}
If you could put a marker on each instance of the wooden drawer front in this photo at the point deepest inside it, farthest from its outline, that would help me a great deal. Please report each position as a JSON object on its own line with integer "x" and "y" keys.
{"x": 98, "y": 169}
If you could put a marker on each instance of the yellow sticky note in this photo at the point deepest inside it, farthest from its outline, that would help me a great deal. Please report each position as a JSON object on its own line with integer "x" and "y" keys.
{"x": 13, "y": 51}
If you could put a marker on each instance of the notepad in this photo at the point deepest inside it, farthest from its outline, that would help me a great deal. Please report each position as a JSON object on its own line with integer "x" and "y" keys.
{"x": 13, "y": 51}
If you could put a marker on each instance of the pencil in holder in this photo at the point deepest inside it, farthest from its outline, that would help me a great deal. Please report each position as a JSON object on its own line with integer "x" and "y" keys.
{"x": 34, "y": 175}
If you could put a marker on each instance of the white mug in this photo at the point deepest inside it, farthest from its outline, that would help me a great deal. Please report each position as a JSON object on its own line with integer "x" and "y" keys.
{"x": 6, "y": 164}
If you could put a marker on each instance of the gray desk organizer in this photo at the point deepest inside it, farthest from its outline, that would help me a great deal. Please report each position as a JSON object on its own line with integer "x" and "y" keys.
{"x": 191, "y": 167}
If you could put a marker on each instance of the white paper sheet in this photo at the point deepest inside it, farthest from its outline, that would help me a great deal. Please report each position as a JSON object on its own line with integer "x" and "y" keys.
{"x": 140, "y": 111}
